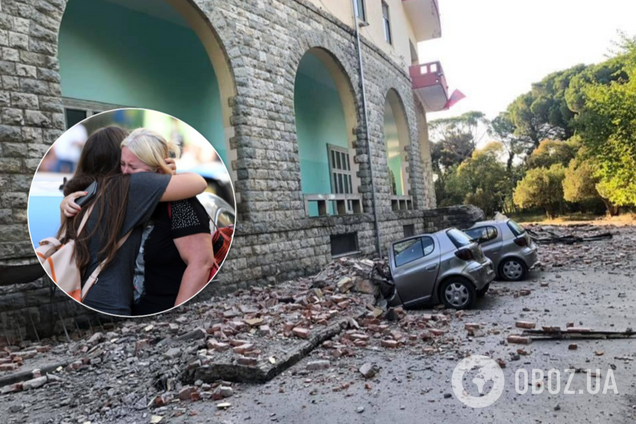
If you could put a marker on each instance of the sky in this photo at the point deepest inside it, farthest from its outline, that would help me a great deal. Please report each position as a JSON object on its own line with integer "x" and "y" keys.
{"x": 493, "y": 50}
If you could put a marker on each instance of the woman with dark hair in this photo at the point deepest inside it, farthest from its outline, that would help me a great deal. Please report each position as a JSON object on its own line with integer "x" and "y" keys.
{"x": 123, "y": 204}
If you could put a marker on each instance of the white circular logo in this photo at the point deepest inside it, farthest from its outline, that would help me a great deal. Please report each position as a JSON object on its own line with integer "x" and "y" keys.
{"x": 487, "y": 371}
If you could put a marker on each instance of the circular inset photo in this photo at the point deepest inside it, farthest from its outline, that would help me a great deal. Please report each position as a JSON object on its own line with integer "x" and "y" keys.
{"x": 131, "y": 212}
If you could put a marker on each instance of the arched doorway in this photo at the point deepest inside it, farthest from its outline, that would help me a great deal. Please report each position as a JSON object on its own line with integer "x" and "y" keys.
{"x": 151, "y": 54}
{"x": 396, "y": 138}
{"x": 326, "y": 118}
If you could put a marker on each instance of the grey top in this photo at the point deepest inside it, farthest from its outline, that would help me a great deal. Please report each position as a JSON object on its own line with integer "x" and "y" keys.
{"x": 113, "y": 291}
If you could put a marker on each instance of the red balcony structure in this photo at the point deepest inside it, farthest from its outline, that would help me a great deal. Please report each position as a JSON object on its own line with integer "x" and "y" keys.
{"x": 430, "y": 85}
{"x": 424, "y": 17}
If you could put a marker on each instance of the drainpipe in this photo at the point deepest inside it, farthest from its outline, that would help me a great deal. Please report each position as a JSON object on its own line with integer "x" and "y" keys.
{"x": 366, "y": 127}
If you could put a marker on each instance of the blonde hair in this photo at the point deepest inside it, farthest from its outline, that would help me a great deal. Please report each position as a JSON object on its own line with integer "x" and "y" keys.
{"x": 151, "y": 148}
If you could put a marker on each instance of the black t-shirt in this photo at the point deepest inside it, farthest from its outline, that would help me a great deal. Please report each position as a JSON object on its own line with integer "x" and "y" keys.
{"x": 163, "y": 265}
{"x": 113, "y": 291}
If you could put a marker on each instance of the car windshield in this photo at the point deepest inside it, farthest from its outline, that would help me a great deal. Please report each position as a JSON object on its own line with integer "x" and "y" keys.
{"x": 515, "y": 228}
{"x": 458, "y": 238}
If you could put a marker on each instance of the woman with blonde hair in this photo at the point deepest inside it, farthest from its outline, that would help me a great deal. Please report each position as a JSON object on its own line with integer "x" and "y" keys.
{"x": 176, "y": 256}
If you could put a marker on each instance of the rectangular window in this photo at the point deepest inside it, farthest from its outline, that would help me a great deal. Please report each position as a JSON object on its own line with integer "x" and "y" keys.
{"x": 387, "y": 23}
{"x": 76, "y": 110}
{"x": 340, "y": 170}
{"x": 413, "y": 249}
{"x": 342, "y": 244}
{"x": 409, "y": 230}
{"x": 360, "y": 10}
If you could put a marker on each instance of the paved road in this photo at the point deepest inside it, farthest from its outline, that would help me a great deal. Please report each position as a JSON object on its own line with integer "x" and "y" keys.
{"x": 411, "y": 387}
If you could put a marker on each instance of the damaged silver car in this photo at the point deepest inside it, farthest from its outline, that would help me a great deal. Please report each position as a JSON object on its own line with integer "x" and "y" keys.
{"x": 446, "y": 266}
{"x": 507, "y": 244}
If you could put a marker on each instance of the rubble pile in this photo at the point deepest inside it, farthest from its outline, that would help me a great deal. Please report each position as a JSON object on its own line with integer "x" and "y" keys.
{"x": 143, "y": 363}
{"x": 591, "y": 250}
{"x": 12, "y": 357}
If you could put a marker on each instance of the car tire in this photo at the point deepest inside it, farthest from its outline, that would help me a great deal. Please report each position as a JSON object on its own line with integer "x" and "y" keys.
{"x": 482, "y": 292}
{"x": 513, "y": 269}
{"x": 458, "y": 293}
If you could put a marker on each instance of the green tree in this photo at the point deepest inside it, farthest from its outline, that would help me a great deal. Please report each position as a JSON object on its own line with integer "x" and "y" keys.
{"x": 480, "y": 180}
{"x": 551, "y": 152}
{"x": 607, "y": 124}
{"x": 455, "y": 139}
{"x": 542, "y": 188}
{"x": 543, "y": 112}
{"x": 580, "y": 184}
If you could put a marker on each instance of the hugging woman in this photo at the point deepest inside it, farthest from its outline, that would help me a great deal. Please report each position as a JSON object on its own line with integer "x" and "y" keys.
{"x": 123, "y": 204}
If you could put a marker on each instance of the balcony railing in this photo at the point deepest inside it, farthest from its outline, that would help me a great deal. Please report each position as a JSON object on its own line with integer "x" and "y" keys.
{"x": 424, "y": 17}
{"x": 429, "y": 83}
{"x": 341, "y": 204}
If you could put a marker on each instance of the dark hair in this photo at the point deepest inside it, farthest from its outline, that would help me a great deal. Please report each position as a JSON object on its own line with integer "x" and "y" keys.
{"x": 99, "y": 161}
{"x": 101, "y": 157}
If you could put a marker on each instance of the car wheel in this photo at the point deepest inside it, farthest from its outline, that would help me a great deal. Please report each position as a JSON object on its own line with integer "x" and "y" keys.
{"x": 482, "y": 292}
{"x": 458, "y": 293}
{"x": 513, "y": 269}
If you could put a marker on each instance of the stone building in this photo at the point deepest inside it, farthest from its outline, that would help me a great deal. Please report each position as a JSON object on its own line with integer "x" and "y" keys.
{"x": 324, "y": 162}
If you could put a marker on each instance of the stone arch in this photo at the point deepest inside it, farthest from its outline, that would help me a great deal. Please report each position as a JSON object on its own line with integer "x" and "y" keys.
{"x": 397, "y": 140}
{"x": 200, "y": 23}
{"x": 327, "y": 56}
{"x": 338, "y": 60}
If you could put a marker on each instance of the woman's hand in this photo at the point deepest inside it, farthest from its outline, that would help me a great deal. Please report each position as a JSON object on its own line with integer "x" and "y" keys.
{"x": 171, "y": 164}
{"x": 68, "y": 207}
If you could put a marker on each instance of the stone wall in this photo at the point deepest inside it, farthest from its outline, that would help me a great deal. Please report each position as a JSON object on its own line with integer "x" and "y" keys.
{"x": 263, "y": 42}
{"x": 38, "y": 309}
{"x": 461, "y": 217}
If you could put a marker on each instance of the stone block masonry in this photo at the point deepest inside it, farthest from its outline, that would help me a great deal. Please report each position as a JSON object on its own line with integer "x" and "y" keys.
{"x": 263, "y": 42}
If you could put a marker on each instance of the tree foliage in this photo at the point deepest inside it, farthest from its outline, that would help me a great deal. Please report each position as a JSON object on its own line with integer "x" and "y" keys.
{"x": 607, "y": 124}
{"x": 543, "y": 112}
{"x": 455, "y": 139}
{"x": 551, "y": 152}
{"x": 542, "y": 188}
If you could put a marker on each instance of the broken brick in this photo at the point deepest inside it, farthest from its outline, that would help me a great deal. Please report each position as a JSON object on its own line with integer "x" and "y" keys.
{"x": 525, "y": 324}
{"x": 389, "y": 344}
{"x": 303, "y": 333}
{"x": 518, "y": 339}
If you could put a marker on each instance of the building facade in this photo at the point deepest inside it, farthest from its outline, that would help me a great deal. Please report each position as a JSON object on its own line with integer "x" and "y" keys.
{"x": 322, "y": 164}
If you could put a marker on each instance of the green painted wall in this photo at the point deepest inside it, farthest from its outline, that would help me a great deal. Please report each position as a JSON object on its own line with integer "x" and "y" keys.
{"x": 112, "y": 54}
{"x": 393, "y": 148}
{"x": 319, "y": 121}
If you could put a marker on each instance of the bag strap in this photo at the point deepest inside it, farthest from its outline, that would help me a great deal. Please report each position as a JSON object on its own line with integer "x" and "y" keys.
{"x": 85, "y": 219}
{"x": 92, "y": 279}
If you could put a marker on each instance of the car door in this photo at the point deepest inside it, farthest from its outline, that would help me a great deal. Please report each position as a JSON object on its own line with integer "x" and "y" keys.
{"x": 415, "y": 264}
{"x": 491, "y": 243}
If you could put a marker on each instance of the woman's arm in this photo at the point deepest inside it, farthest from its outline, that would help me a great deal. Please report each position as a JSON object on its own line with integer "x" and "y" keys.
{"x": 68, "y": 207}
{"x": 183, "y": 186}
{"x": 196, "y": 251}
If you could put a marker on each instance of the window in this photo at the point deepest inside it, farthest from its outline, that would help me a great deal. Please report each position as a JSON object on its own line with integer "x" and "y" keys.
{"x": 76, "y": 111}
{"x": 482, "y": 234}
{"x": 341, "y": 244}
{"x": 410, "y": 250}
{"x": 458, "y": 238}
{"x": 409, "y": 230}
{"x": 387, "y": 23}
{"x": 516, "y": 229}
{"x": 360, "y": 10}
{"x": 340, "y": 171}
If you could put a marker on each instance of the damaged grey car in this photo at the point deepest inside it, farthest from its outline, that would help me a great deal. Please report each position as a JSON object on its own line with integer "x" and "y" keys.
{"x": 446, "y": 266}
{"x": 507, "y": 245}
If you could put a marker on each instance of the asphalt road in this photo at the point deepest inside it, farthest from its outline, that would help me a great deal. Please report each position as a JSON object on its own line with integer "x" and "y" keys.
{"x": 413, "y": 387}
